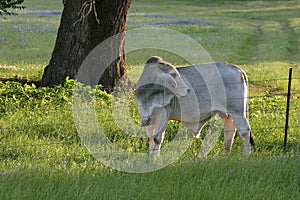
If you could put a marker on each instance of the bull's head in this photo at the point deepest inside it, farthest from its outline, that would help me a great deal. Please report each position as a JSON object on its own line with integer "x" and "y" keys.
{"x": 158, "y": 84}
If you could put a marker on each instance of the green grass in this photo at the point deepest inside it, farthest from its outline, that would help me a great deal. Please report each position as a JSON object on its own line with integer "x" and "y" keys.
{"x": 226, "y": 178}
{"x": 43, "y": 157}
{"x": 41, "y": 153}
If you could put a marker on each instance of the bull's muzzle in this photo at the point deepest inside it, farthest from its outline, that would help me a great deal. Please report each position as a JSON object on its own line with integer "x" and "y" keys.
{"x": 145, "y": 121}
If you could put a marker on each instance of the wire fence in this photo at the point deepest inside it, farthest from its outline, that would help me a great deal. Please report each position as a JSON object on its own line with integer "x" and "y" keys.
{"x": 268, "y": 112}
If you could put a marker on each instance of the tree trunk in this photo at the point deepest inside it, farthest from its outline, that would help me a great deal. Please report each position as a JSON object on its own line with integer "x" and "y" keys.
{"x": 79, "y": 34}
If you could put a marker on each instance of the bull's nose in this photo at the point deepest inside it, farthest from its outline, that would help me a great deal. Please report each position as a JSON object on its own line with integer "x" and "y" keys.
{"x": 145, "y": 122}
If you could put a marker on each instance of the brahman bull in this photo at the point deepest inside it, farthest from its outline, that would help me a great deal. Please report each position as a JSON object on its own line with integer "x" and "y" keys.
{"x": 192, "y": 95}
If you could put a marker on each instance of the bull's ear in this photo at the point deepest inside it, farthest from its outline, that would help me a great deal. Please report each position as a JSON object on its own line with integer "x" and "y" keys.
{"x": 162, "y": 99}
{"x": 169, "y": 81}
{"x": 148, "y": 102}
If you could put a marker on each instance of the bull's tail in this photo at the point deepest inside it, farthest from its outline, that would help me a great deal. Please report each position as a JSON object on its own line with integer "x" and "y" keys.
{"x": 245, "y": 80}
{"x": 252, "y": 142}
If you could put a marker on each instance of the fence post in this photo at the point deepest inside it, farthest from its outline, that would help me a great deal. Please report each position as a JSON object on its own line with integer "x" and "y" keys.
{"x": 287, "y": 110}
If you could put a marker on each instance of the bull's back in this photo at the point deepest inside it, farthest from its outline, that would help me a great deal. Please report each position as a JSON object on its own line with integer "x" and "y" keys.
{"x": 201, "y": 73}
{"x": 218, "y": 86}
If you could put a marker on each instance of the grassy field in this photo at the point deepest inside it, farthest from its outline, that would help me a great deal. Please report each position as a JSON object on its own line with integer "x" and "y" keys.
{"x": 42, "y": 156}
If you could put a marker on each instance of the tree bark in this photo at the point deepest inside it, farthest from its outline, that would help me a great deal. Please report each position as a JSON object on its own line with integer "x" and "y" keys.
{"x": 85, "y": 24}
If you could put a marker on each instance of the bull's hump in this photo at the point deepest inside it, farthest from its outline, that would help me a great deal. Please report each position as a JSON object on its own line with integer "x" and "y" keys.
{"x": 154, "y": 59}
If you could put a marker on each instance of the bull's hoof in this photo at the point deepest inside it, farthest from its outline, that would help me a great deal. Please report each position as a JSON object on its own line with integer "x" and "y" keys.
{"x": 197, "y": 136}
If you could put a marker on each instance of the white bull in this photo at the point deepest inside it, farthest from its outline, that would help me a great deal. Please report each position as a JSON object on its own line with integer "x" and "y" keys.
{"x": 192, "y": 95}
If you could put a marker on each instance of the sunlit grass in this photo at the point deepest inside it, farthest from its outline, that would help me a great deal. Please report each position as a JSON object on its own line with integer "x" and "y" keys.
{"x": 242, "y": 32}
{"x": 266, "y": 74}
{"x": 274, "y": 178}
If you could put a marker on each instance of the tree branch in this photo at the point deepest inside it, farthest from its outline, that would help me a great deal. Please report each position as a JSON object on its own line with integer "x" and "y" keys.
{"x": 87, "y": 8}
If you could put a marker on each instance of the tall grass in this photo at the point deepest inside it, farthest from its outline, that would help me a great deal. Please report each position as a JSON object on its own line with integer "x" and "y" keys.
{"x": 226, "y": 178}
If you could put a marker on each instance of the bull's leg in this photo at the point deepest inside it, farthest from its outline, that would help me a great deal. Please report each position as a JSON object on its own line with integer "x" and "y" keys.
{"x": 155, "y": 141}
{"x": 200, "y": 126}
{"x": 150, "y": 133}
{"x": 243, "y": 128}
{"x": 196, "y": 127}
{"x": 229, "y": 132}
{"x": 158, "y": 141}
